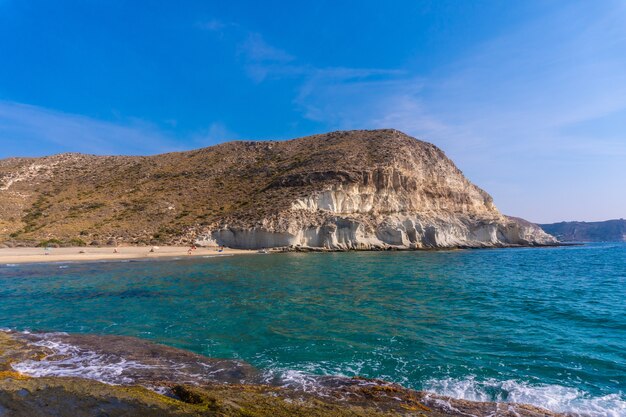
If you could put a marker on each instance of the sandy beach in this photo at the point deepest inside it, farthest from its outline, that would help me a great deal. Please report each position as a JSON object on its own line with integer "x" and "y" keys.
{"x": 32, "y": 255}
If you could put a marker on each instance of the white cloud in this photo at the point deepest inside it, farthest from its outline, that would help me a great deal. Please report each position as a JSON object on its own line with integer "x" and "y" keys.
{"x": 213, "y": 25}
{"x": 22, "y": 123}
{"x": 28, "y": 130}
{"x": 263, "y": 59}
{"x": 216, "y": 133}
{"x": 258, "y": 50}
{"x": 334, "y": 95}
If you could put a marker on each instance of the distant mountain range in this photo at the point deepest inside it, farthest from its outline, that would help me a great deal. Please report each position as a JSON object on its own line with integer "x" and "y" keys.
{"x": 606, "y": 231}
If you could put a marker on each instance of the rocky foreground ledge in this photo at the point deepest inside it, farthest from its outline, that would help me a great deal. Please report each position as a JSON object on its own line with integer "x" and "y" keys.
{"x": 145, "y": 379}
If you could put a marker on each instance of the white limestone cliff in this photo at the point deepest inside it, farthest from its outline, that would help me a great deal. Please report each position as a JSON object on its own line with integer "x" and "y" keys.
{"x": 390, "y": 208}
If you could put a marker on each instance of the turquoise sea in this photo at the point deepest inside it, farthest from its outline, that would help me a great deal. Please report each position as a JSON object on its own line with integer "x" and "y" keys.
{"x": 545, "y": 326}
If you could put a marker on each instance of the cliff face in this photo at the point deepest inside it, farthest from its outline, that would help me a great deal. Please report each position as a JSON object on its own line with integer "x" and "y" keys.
{"x": 343, "y": 190}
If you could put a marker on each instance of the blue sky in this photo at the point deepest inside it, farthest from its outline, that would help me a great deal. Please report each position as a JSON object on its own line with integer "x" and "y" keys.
{"x": 528, "y": 98}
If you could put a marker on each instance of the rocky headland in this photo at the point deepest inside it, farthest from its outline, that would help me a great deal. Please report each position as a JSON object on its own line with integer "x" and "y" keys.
{"x": 350, "y": 190}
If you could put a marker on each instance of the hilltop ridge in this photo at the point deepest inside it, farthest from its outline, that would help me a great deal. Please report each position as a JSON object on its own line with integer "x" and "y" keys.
{"x": 363, "y": 189}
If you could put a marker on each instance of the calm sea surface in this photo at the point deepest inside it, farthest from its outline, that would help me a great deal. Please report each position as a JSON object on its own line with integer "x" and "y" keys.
{"x": 544, "y": 326}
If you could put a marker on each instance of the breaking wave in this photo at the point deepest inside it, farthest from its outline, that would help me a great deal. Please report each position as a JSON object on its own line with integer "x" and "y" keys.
{"x": 120, "y": 360}
{"x": 71, "y": 361}
{"x": 555, "y": 398}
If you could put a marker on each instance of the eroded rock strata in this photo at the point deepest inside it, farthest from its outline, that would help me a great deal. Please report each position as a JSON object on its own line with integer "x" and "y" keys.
{"x": 161, "y": 381}
{"x": 362, "y": 190}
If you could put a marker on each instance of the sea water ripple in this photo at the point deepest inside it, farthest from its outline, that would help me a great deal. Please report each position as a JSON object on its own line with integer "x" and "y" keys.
{"x": 545, "y": 326}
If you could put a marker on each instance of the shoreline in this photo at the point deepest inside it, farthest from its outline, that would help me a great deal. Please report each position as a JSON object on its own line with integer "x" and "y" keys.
{"x": 30, "y": 255}
{"x": 90, "y": 254}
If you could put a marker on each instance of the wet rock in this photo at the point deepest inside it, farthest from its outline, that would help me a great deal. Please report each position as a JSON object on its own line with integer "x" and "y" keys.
{"x": 161, "y": 381}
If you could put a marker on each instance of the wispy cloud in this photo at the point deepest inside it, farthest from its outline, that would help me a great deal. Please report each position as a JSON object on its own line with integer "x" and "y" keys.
{"x": 213, "y": 25}
{"x": 216, "y": 133}
{"x": 27, "y": 130}
{"x": 21, "y": 124}
{"x": 257, "y": 49}
{"x": 264, "y": 61}
{"x": 346, "y": 98}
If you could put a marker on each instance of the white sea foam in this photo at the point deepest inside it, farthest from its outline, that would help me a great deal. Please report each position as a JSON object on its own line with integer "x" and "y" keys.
{"x": 552, "y": 397}
{"x": 299, "y": 380}
{"x": 70, "y": 361}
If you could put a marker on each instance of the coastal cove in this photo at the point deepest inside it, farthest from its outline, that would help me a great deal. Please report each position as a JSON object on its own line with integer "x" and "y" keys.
{"x": 543, "y": 326}
{"x": 313, "y": 209}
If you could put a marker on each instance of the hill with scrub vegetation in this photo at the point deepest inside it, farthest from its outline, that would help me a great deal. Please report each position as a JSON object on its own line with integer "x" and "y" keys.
{"x": 376, "y": 189}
